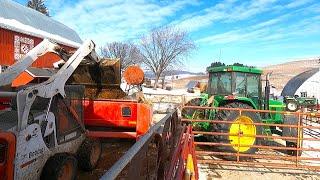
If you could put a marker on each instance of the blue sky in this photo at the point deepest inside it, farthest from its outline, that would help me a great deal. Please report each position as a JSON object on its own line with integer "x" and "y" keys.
{"x": 256, "y": 32}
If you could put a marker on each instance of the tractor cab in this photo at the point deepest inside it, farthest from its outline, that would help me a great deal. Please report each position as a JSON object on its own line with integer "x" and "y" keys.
{"x": 236, "y": 83}
{"x": 243, "y": 84}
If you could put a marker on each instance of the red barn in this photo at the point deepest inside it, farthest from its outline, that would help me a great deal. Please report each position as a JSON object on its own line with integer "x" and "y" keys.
{"x": 22, "y": 28}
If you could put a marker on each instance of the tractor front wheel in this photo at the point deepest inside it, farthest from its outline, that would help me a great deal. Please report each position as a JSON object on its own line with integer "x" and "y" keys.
{"x": 293, "y": 152}
{"x": 293, "y": 132}
{"x": 292, "y": 106}
{"x": 192, "y": 113}
{"x": 240, "y": 128}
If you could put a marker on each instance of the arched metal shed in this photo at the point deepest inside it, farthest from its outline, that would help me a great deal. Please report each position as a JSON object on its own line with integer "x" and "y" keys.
{"x": 306, "y": 83}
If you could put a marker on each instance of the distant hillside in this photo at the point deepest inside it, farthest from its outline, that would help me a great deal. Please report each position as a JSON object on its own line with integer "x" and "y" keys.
{"x": 182, "y": 83}
{"x": 282, "y": 73}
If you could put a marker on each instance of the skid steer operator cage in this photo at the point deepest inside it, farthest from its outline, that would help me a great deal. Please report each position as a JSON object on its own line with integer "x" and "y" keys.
{"x": 68, "y": 111}
{"x": 236, "y": 142}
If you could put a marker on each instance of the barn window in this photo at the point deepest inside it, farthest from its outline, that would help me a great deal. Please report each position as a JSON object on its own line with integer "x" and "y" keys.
{"x": 22, "y": 45}
{"x": 3, "y": 68}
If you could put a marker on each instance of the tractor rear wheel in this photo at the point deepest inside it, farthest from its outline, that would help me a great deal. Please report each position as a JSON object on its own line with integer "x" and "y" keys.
{"x": 193, "y": 113}
{"x": 241, "y": 130}
{"x": 197, "y": 114}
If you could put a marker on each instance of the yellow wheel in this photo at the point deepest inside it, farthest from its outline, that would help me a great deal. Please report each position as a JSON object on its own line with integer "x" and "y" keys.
{"x": 240, "y": 131}
{"x": 242, "y": 134}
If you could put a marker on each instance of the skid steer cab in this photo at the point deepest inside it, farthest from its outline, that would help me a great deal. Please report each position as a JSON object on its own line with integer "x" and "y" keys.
{"x": 42, "y": 135}
{"x": 45, "y": 143}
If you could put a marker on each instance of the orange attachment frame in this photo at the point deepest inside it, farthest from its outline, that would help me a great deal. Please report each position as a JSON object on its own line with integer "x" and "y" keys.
{"x": 117, "y": 114}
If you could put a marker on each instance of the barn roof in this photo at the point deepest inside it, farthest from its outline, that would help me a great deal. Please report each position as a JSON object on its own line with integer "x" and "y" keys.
{"x": 16, "y": 17}
{"x": 294, "y": 83}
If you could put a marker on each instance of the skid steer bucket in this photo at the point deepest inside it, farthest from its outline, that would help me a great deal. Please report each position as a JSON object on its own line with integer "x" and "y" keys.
{"x": 101, "y": 80}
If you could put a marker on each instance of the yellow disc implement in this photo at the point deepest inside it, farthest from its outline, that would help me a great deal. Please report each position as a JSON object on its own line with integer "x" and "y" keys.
{"x": 243, "y": 133}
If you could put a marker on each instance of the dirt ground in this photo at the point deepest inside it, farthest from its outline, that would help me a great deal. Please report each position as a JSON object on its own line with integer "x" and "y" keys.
{"x": 210, "y": 172}
{"x": 242, "y": 172}
{"x": 112, "y": 151}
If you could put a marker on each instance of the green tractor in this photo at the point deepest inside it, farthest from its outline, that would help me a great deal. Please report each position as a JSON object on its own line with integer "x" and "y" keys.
{"x": 240, "y": 87}
{"x": 293, "y": 103}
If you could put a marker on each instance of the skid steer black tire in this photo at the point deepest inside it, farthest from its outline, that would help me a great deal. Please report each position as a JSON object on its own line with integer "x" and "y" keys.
{"x": 89, "y": 154}
{"x": 230, "y": 115}
{"x": 292, "y": 132}
{"x": 61, "y": 166}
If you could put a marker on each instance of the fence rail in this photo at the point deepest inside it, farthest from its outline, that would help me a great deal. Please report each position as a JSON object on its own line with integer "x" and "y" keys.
{"x": 232, "y": 139}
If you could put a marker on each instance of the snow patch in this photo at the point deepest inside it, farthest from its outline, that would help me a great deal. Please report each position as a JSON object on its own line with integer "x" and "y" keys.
{"x": 175, "y": 92}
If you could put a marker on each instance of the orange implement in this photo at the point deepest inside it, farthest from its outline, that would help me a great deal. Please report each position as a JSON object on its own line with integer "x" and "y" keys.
{"x": 134, "y": 75}
{"x": 117, "y": 114}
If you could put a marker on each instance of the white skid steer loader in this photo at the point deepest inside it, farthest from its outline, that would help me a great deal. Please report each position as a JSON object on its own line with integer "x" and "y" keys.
{"x": 42, "y": 135}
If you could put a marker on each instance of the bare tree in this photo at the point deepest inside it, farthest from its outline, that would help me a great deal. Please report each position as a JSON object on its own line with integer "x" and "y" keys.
{"x": 128, "y": 53}
{"x": 38, "y": 5}
{"x": 164, "y": 48}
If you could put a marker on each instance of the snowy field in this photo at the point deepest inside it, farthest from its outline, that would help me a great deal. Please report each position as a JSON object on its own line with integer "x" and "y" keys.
{"x": 311, "y": 144}
{"x": 164, "y": 100}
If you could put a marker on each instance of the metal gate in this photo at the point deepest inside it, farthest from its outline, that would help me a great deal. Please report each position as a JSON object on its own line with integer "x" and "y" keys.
{"x": 150, "y": 156}
{"x": 285, "y": 145}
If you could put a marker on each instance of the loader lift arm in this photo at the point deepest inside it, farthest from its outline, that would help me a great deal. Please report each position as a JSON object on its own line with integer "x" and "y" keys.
{"x": 18, "y": 67}
{"x": 54, "y": 85}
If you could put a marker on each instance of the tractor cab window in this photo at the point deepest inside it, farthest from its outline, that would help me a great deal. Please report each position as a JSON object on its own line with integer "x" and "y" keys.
{"x": 240, "y": 83}
{"x": 253, "y": 81}
{"x": 220, "y": 83}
